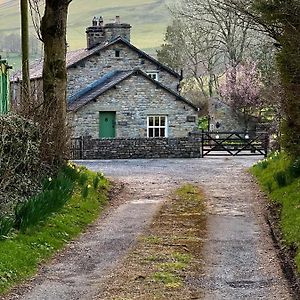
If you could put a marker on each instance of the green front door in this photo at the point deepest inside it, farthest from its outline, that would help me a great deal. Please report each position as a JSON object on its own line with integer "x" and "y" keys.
{"x": 107, "y": 128}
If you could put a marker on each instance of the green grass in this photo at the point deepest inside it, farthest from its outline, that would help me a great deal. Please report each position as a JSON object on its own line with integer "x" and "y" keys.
{"x": 152, "y": 240}
{"x": 279, "y": 177}
{"x": 21, "y": 253}
{"x": 190, "y": 194}
{"x": 149, "y": 20}
{"x": 14, "y": 59}
{"x": 168, "y": 278}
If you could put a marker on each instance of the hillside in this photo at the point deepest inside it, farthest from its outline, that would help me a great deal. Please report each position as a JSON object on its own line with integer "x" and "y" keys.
{"x": 149, "y": 19}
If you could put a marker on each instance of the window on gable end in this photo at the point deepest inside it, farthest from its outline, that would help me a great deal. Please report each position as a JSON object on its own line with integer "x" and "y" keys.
{"x": 153, "y": 75}
{"x": 117, "y": 53}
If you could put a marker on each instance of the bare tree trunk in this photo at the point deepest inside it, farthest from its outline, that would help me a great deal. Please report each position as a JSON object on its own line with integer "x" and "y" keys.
{"x": 53, "y": 32}
{"x": 25, "y": 91}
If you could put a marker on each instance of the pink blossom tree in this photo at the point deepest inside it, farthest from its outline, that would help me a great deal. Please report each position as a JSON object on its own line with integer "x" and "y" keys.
{"x": 241, "y": 90}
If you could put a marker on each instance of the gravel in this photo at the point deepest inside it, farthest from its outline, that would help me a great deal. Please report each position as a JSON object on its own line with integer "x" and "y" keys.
{"x": 240, "y": 260}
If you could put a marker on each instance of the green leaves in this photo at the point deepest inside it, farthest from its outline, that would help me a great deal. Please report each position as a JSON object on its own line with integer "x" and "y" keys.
{"x": 38, "y": 208}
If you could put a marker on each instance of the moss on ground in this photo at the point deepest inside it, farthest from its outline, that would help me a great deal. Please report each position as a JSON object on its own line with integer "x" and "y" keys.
{"x": 168, "y": 255}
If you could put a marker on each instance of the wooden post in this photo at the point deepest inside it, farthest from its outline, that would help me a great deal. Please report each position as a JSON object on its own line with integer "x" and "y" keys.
{"x": 25, "y": 92}
{"x": 81, "y": 147}
{"x": 202, "y": 143}
{"x": 266, "y": 142}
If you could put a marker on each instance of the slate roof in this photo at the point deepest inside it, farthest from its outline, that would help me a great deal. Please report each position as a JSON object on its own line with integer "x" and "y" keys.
{"x": 36, "y": 69}
{"x": 95, "y": 89}
{"x": 105, "y": 83}
{"x": 77, "y": 56}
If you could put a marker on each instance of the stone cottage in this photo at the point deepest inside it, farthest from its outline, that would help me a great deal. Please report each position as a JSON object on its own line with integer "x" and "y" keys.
{"x": 117, "y": 91}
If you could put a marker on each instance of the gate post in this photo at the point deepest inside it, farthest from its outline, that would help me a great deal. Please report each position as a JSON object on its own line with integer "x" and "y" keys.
{"x": 202, "y": 144}
{"x": 266, "y": 144}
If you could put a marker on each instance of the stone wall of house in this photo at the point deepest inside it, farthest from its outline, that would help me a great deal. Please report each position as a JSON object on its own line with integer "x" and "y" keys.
{"x": 138, "y": 148}
{"x": 36, "y": 86}
{"x": 133, "y": 100}
{"x": 96, "y": 66}
{"x": 224, "y": 118}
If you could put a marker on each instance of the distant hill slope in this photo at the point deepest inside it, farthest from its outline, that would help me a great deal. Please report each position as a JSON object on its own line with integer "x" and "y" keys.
{"x": 149, "y": 19}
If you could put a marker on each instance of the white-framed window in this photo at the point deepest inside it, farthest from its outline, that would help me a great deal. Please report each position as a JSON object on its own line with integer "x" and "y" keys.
{"x": 153, "y": 75}
{"x": 157, "y": 126}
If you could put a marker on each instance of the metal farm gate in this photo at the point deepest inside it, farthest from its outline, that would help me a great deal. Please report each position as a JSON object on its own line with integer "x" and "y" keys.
{"x": 211, "y": 144}
{"x": 76, "y": 148}
{"x": 234, "y": 143}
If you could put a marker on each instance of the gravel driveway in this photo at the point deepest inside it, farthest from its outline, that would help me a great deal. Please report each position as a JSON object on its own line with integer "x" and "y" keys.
{"x": 240, "y": 259}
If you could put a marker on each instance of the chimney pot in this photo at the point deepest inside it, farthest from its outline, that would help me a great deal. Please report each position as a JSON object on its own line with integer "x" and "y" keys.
{"x": 101, "y": 21}
{"x": 95, "y": 21}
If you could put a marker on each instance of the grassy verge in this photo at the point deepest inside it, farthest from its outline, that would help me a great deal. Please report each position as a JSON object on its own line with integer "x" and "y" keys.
{"x": 23, "y": 250}
{"x": 167, "y": 258}
{"x": 280, "y": 178}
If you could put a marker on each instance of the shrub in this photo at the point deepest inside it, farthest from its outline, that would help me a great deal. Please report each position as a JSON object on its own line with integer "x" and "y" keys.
{"x": 263, "y": 164}
{"x": 294, "y": 169}
{"x": 281, "y": 178}
{"x": 20, "y": 164}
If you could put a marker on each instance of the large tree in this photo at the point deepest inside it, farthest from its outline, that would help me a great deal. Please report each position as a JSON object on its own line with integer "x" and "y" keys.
{"x": 53, "y": 35}
{"x": 188, "y": 48}
{"x": 206, "y": 39}
{"x": 228, "y": 33}
{"x": 242, "y": 89}
{"x": 280, "y": 19}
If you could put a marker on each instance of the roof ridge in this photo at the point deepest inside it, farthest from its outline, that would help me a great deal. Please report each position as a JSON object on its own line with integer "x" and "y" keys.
{"x": 74, "y": 57}
{"x": 115, "y": 79}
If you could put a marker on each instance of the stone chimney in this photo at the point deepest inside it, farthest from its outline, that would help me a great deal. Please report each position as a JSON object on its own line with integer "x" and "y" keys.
{"x": 100, "y": 33}
{"x": 95, "y": 34}
{"x": 116, "y": 29}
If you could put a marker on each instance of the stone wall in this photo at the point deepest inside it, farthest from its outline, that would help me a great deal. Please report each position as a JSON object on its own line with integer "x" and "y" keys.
{"x": 97, "y": 66}
{"x": 224, "y": 118}
{"x": 187, "y": 147}
{"x": 133, "y": 100}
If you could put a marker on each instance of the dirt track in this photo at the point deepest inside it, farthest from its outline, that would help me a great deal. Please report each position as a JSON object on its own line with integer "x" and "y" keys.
{"x": 240, "y": 260}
